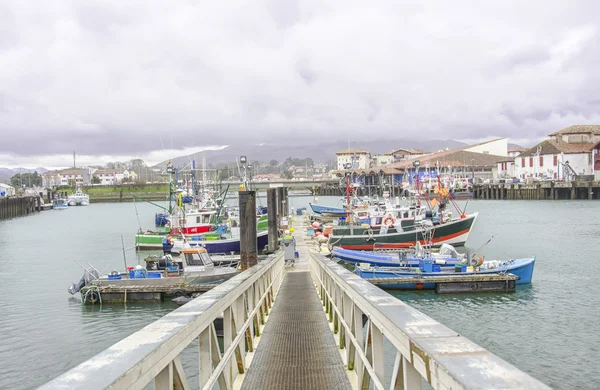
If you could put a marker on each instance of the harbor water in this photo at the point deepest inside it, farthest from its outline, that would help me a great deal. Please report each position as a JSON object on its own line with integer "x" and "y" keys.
{"x": 550, "y": 329}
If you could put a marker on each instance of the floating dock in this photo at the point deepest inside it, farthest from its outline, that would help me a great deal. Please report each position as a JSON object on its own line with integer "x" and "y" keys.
{"x": 139, "y": 293}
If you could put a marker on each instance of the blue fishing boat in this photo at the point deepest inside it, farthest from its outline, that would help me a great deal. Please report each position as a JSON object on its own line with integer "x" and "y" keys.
{"x": 60, "y": 204}
{"x": 397, "y": 259}
{"x": 523, "y": 268}
{"x": 327, "y": 210}
{"x": 225, "y": 245}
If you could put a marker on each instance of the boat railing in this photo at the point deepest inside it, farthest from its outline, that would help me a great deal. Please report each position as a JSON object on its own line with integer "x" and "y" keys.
{"x": 424, "y": 349}
{"x": 153, "y": 353}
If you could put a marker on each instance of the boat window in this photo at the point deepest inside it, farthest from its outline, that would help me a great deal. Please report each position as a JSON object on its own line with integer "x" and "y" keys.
{"x": 406, "y": 214}
{"x": 190, "y": 259}
{"x": 197, "y": 219}
{"x": 206, "y": 218}
{"x": 206, "y": 258}
{"x": 378, "y": 220}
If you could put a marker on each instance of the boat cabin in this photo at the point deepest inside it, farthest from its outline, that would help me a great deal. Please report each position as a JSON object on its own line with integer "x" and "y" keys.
{"x": 196, "y": 257}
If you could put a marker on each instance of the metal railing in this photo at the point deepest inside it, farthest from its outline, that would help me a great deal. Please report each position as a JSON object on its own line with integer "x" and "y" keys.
{"x": 425, "y": 350}
{"x": 153, "y": 353}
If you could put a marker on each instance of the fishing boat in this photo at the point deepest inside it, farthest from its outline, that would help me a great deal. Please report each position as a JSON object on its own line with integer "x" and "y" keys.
{"x": 79, "y": 199}
{"x": 60, "y": 204}
{"x": 401, "y": 258}
{"x": 456, "y": 232}
{"x": 193, "y": 266}
{"x": 222, "y": 244}
{"x": 328, "y": 210}
{"x": 153, "y": 239}
{"x": 523, "y": 268}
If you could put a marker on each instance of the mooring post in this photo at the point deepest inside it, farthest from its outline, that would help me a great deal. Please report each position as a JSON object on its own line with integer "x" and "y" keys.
{"x": 573, "y": 190}
{"x": 280, "y": 197}
{"x": 272, "y": 219}
{"x": 590, "y": 190}
{"x": 248, "y": 251}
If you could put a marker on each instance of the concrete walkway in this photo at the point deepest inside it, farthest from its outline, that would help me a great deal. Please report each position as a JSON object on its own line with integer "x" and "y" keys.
{"x": 297, "y": 349}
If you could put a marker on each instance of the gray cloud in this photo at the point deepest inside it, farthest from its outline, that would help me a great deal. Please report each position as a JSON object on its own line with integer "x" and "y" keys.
{"x": 114, "y": 78}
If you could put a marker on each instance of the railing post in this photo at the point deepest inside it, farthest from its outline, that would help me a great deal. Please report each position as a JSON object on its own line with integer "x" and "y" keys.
{"x": 412, "y": 378}
{"x": 164, "y": 380}
{"x": 204, "y": 348}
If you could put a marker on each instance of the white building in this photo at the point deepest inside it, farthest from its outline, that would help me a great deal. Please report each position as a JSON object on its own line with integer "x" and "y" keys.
{"x": 495, "y": 147}
{"x": 51, "y": 179}
{"x": 358, "y": 159}
{"x": 572, "y": 146}
{"x": 382, "y": 159}
{"x": 6, "y": 190}
{"x": 74, "y": 176}
{"x": 113, "y": 176}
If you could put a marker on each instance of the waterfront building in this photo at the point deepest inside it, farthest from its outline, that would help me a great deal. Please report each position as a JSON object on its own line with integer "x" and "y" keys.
{"x": 358, "y": 159}
{"x": 570, "y": 147}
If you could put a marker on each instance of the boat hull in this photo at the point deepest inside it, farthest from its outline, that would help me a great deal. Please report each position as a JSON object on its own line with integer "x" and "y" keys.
{"x": 327, "y": 211}
{"x": 454, "y": 233}
{"x": 523, "y": 268}
{"x": 227, "y": 245}
{"x": 386, "y": 259}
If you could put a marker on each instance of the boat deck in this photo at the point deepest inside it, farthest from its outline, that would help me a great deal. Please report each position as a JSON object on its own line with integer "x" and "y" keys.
{"x": 297, "y": 349}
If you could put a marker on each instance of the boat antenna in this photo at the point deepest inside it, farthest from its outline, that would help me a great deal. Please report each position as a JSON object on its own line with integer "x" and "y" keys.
{"x": 484, "y": 245}
{"x": 124, "y": 257}
{"x": 137, "y": 214}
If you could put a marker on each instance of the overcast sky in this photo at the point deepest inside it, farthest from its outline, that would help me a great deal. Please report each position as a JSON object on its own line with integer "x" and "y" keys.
{"x": 117, "y": 79}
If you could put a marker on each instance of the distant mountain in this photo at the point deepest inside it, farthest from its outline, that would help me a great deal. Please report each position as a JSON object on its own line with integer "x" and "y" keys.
{"x": 319, "y": 153}
{"x": 7, "y": 173}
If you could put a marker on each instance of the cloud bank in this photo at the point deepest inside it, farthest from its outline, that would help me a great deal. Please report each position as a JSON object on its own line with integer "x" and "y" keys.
{"x": 114, "y": 78}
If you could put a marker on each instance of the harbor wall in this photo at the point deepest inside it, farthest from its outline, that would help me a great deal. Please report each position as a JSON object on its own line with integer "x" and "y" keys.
{"x": 18, "y": 206}
{"x": 539, "y": 191}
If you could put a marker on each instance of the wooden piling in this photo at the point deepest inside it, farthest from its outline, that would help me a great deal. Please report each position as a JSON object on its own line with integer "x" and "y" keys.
{"x": 248, "y": 245}
{"x": 280, "y": 214}
{"x": 272, "y": 218}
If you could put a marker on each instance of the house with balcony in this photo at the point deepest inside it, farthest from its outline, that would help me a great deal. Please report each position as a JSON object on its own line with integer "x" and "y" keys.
{"x": 113, "y": 176}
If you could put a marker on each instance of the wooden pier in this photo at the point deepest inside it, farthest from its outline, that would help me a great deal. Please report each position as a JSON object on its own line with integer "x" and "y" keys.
{"x": 549, "y": 190}
{"x": 19, "y": 206}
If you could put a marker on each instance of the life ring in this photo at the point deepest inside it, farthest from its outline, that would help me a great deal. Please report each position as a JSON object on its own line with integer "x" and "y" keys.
{"x": 389, "y": 221}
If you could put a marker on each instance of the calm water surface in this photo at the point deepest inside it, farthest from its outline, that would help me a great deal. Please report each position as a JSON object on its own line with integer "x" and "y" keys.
{"x": 550, "y": 329}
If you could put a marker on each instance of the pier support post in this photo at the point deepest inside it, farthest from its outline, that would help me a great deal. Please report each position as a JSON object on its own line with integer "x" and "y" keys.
{"x": 248, "y": 246}
{"x": 272, "y": 218}
{"x": 280, "y": 214}
{"x": 590, "y": 190}
{"x": 573, "y": 190}
{"x": 552, "y": 191}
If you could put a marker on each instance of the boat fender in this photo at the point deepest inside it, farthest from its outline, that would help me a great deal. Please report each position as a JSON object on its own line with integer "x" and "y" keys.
{"x": 177, "y": 292}
{"x": 93, "y": 296}
{"x": 404, "y": 198}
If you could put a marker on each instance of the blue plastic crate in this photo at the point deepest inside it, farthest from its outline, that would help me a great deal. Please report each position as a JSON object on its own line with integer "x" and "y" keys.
{"x": 114, "y": 277}
{"x": 154, "y": 275}
{"x": 436, "y": 268}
